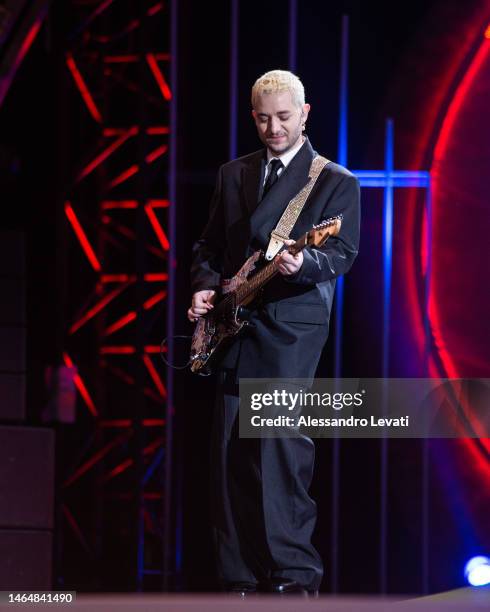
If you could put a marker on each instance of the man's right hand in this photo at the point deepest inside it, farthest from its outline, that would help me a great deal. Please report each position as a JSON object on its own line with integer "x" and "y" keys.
{"x": 202, "y": 302}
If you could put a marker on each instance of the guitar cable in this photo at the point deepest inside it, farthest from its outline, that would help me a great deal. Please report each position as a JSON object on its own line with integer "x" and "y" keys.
{"x": 164, "y": 359}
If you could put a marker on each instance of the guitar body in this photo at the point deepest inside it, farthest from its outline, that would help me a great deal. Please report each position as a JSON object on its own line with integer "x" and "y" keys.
{"x": 215, "y": 330}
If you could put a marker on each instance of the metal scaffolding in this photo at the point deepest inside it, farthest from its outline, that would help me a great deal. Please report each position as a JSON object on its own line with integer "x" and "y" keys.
{"x": 118, "y": 271}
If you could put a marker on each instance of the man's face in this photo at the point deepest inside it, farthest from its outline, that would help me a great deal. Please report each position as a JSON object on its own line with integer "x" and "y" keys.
{"x": 279, "y": 121}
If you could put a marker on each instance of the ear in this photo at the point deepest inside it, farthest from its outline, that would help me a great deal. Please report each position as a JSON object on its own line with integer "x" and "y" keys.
{"x": 254, "y": 114}
{"x": 304, "y": 111}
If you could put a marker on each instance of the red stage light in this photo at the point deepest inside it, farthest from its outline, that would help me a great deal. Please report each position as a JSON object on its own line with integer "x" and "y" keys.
{"x": 7, "y": 78}
{"x": 85, "y": 93}
{"x": 76, "y": 529}
{"x": 85, "y": 467}
{"x": 155, "y": 9}
{"x": 157, "y": 228}
{"x": 118, "y": 423}
{"x": 124, "y": 465}
{"x": 158, "y": 152}
{"x": 82, "y": 389}
{"x": 97, "y": 308}
{"x": 122, "y": 322}
{"x": 160, "y": 79}
{"x": 158, "y": 297}
{"x": 152, "y": 131}
{"x": 131, "y": 171}
{"x": 127, "y": 349}
{"x": 154, "y": 375}
{"x": 107, "y": 152}
{"x": 85, "y": 244}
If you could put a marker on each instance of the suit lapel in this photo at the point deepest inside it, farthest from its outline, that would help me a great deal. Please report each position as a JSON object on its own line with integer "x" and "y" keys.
{"x": 266, "y": 215}
{"x": 252, "y": 179}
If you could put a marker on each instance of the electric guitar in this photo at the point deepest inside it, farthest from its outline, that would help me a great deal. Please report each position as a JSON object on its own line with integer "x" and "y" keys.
{"x": 214, "y": 330}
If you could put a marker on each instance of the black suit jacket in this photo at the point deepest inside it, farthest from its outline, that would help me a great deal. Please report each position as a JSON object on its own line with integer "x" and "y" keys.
{"x": 290, "y": 327}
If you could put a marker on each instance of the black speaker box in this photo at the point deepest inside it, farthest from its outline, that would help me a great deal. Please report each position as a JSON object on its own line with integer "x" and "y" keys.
{"x": 26, "y": 477}
{"x": 25, "y": 560}
{"x": 12, "y": 397}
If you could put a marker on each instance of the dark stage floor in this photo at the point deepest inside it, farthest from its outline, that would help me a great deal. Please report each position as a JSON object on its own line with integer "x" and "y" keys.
{"x": 461, "y": 600}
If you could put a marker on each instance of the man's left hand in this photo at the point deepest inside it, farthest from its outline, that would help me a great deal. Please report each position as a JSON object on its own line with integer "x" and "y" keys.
{"x": 287, "y": 263}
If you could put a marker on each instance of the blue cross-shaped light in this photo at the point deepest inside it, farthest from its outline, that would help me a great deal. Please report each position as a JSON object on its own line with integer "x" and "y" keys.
{"x": 387, "y": 179}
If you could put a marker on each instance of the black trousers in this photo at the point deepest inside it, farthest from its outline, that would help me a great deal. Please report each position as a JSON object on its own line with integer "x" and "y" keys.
{"x": 263, "y": 517}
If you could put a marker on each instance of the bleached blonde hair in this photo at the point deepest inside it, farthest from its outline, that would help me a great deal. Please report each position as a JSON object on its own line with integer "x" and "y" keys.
{"x": 279, "y": 80}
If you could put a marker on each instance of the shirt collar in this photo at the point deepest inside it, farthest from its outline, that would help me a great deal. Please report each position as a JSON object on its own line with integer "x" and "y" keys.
{"x": 286, "y": 157}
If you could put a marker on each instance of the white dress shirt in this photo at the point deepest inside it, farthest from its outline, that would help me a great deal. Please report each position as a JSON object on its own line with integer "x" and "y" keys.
{"x": 285, "y": 159}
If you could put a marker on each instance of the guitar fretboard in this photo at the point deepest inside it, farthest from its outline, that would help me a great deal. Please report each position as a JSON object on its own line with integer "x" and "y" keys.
{"x": 259, "y": 279}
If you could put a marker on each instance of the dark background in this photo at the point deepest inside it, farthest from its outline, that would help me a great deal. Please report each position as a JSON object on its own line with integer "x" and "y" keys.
{"x": 396, "y": 52}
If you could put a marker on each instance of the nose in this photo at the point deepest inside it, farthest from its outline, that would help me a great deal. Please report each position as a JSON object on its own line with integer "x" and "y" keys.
{"x": 274, "y": 125}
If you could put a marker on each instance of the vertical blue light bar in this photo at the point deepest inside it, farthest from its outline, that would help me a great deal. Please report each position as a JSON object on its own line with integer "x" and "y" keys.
{"x": 293, "y": 34}
{"x": 387, "y": 266}
{"x": 387, "y": 246}
{"x": 342, "y": 159}
{"x": 172, "y": 236}
{"x": 344, "y": 91}
{"x": 339, "y": 307}
{"x": 232, "y": 147}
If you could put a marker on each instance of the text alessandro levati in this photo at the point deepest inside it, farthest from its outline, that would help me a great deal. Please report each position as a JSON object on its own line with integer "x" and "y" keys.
{"x": 336, "y": 401}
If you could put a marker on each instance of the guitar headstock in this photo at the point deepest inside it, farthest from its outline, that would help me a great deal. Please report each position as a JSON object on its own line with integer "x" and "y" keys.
{"x": 318, "y": 235}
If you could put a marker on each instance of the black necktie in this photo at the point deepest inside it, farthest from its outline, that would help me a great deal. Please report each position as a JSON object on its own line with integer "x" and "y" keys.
{"x": 275, "y": 165}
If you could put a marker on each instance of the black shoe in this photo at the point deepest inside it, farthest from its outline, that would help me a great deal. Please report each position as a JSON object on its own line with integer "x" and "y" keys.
{"x": 286, "y": 586}
{"x": 242, "y": 589}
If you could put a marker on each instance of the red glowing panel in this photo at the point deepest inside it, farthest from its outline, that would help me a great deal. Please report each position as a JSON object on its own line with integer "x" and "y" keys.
{"x": 461, "y": 225}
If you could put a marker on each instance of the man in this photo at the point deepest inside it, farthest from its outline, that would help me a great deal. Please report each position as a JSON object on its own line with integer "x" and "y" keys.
{"x": 263, "y": 516}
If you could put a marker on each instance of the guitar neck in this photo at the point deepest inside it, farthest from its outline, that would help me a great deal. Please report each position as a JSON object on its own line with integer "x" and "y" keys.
{"x": 249, "y": 288}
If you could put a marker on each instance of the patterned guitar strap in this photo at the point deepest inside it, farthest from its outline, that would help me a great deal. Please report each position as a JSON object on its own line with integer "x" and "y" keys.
{"x": 289, "y": 217}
